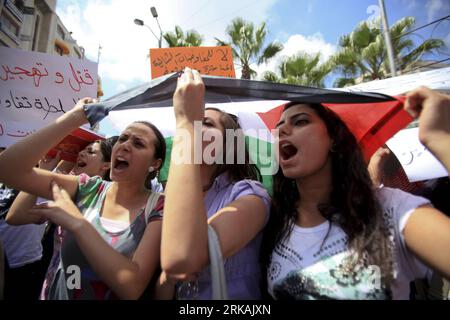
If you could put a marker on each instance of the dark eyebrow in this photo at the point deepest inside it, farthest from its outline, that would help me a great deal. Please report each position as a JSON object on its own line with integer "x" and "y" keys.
{"x": 140, "y": 139}
{"x": 292, "y": 118}
{"x": 279, "y": 123}
{"x": 210, "y": 119}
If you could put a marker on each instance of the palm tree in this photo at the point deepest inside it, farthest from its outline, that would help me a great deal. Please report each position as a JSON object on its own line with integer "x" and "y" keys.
{"x": 180, "y": 39}
{"x": 301, "y": 69}
{"x": 362, "y": 53}
{"x": 412, "y": 58}
{"x": 247, "y": 45}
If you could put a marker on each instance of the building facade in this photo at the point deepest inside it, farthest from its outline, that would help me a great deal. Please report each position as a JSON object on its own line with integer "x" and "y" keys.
{"x": 33, "y": 25}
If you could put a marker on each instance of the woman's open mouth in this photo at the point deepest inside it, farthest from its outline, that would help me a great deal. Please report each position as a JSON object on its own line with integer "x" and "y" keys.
{"x": 287, "y": 151}
{"x": 120, "y": 164}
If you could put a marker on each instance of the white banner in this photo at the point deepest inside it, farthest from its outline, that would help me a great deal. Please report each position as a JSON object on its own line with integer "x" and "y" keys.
{"x": 438, "y": 79}
{"x": 419, "y": 164}
{"x": 36, "y": 88}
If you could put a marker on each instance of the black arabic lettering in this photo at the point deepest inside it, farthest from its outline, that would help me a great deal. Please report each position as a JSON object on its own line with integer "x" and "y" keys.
{"x": 158, "y": 62}
{"x": 1, "y": 129}
{"x": 53, "y": 109}
{"x": 413, "y": 154}
{"x": 12, "y": 99}
{"x": 179, "y": 58}
{"x": 208, "y": 56}
{"x": 190, "y": 58}
{"x": 167, "y": 59}
{"x": 224, "y": 54}
{"x": 36, "y": 101}
{"x": 19, "y": 134}
{"x": 25, "y": 99}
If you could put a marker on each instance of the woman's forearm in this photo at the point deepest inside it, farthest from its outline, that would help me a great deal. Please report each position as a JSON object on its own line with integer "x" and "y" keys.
{"x": 440, "y": 148}
{"x": 184, "y": 237}
{"x": 164, "y": 289}
{"x": 21, "y": 158}
{"x": 18, "y": 213}
{"x": 127, "y": 277}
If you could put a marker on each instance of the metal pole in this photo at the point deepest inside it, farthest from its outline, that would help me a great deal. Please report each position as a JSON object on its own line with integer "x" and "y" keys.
{"x": 387, "y": 38}
{"x": 160, "y": 32}
{"x": 98, "y": 53}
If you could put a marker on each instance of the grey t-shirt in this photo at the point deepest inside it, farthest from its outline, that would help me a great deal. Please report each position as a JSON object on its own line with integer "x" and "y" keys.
{"x": 90, "y": 198}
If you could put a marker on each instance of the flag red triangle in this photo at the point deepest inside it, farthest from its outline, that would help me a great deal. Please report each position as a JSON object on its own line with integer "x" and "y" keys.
{"x": 371, "y": 123}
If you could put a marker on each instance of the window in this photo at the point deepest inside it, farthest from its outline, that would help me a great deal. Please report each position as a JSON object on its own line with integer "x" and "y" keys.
{"x": 8, "y": 24}
{"x": 35, "y": 33}
{"x": 77, "y": 53}
{"x": 19, "y": 4}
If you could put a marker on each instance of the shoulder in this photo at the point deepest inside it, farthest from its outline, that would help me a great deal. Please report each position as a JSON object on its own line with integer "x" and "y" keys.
{"x": 249, "y": 187}
{"x": 396, "y": 199}
{"x": 86, "y": 182}
{"x": 159, "y": 206}
{"x": 156, "y": 213}
{"x": 398, "y": 205}
{"x": 87, "y": 186}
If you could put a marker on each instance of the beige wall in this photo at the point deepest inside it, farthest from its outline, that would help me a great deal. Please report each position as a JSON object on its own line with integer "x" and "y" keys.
{"x": 38, "y": 31}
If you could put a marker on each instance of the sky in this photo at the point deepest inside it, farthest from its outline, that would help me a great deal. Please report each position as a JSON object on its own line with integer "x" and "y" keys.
{"x": 308, "y": 25}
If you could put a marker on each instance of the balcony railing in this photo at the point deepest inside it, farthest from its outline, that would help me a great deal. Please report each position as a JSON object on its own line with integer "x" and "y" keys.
{"x": 10, "y": 34}
{"x": 14, "y": 10}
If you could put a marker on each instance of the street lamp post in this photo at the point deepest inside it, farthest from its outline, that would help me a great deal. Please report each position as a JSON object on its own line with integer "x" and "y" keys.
{"x": 387, "y": 37}
{"x": 155, "y": 15}
{"x": 139, "y": 22}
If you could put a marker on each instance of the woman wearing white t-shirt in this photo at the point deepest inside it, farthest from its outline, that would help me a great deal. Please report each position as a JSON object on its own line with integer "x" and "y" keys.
{"x": 331, "y": 235}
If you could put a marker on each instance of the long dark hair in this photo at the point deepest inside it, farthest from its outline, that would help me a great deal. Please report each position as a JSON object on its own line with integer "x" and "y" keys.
{"x": 353, "y": 205}
{"x": 106, "y": 150}
{"x": 160, "y": 151}
{"x": 236, "y": 171}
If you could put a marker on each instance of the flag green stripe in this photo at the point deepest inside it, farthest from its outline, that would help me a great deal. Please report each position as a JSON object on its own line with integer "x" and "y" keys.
{"x": 260, "y": 152}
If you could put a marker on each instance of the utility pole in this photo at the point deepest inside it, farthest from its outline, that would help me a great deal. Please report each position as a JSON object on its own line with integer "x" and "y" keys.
{"x": 387, "y": 38}
{"x": 98, "y": 53}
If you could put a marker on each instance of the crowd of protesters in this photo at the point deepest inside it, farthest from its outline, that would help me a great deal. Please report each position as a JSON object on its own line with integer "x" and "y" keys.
{"x": 333, "y": 227}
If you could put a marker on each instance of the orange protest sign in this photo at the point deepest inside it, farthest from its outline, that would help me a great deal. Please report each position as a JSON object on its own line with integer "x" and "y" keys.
{"x": 215, "y": 61}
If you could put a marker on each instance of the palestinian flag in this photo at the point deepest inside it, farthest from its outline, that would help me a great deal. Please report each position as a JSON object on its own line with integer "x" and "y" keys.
{"x": 372, "y": 117}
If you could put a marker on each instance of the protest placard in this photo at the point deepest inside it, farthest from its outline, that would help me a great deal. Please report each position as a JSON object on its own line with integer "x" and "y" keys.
{"x": 213, "y": 61}
{"x": 419, "y": 164}
{"x": 36, "y": 88}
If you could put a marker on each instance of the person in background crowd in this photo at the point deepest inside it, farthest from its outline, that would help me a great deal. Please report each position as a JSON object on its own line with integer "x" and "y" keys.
{"x": 23, "y": 270}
